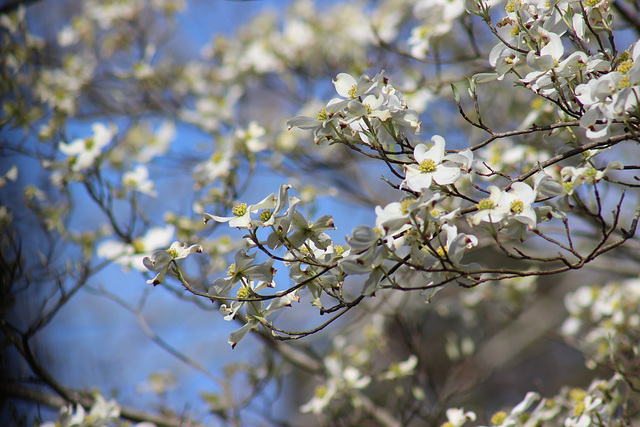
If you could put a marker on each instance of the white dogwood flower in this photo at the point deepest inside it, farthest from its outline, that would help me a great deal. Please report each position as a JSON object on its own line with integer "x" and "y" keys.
{"x": 349, "y": 88}
{"x": 430, "y": 167}
{"x": 489, "y": 209}
{"x": 517, "y": 204}
{"x": 243, "y": 270}
{"x": 162, "y": 260}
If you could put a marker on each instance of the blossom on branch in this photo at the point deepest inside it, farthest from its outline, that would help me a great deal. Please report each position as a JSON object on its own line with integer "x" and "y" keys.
{"x": 162, "y": 260}
{"x": 432, "y": 167}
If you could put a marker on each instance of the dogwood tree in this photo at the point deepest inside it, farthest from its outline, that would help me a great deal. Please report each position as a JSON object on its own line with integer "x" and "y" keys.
{"x": 383, "y": 212}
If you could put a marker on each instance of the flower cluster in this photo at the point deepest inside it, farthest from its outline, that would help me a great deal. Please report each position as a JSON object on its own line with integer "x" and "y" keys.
{"x": 605, "y": 321}
{"x": 369, "y": 111}
{"x": 103, "y": 413}
{"x": 572, "y": 407}
{"x": 599, "y": 88}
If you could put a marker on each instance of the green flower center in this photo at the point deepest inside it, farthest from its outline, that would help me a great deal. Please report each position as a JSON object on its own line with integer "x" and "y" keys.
{"x": 89, "y": 143}
{"x": 517, "y": 206}
{"x": 231, "y": 270}
{"x": 339, "y": 249}
{"x": 216, "y": 157}
{"x": 624, "y": 82}
{"x": 352, "y": 92}
{"x": 625, "y": 66}
{"x": 485, "y": 204}
{"x": 427, "y": 166}
{"x": 578, "y": 409}
{"x": 498, "y": 418}
{"x": 265, "y": 215}
{"x": 577, "y": 395}
{"x": 538, "y": 103}
{"x": 244, "y": 292}
{"x": 240, "y": 209}
{"x": 404, "y": 205}
{"x": 130, "y": 182}
{"x": 173, "y": 253}
{"x": 138, "y": 246}
{"x": 568, "y": 186}
{"x": 590, "y": 3}
{"x": 442, "y": 251}
{"x": 322, "y": 115}
{"x": 321, "y": 391}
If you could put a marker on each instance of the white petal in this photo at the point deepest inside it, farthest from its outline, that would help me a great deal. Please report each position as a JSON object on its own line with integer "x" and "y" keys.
{"x": 344, "y": 83}
{"x": 446, "y": 175}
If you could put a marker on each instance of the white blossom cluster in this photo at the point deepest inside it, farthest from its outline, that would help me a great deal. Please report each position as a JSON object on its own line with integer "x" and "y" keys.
{"x": 599, "y": 89}
{"x": 605, "y": 321}
{"x": 572, "y": 407}
{"x": 416, "y": 238}
{"x": 365, "y": 107}
{"x": 102, "y": 413}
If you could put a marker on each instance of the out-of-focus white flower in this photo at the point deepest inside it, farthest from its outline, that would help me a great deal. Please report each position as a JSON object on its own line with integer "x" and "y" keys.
{"x": 252, "y": 137}
{"x": 102, "y": 412}
{"x": 130, "y": 255}
{"x": 159, "y": 142}
{"x": 322, "y": 396}
{"x": 68, "y": 36}
{"x": 138, "y": 180}
{"x": 219, "y": 165}
{"x": 436, "y": 17}
{"x": 457, "y": 417}
{"x": 11, "y": 175}
{"x": 83, "y": 152}
{"x": 401, "y": 369}
{"x": 341, "y": 379}
{"x": 107, "y": 13}
{"x": 513, "y": 419}
{"x": 158, "y": 383}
